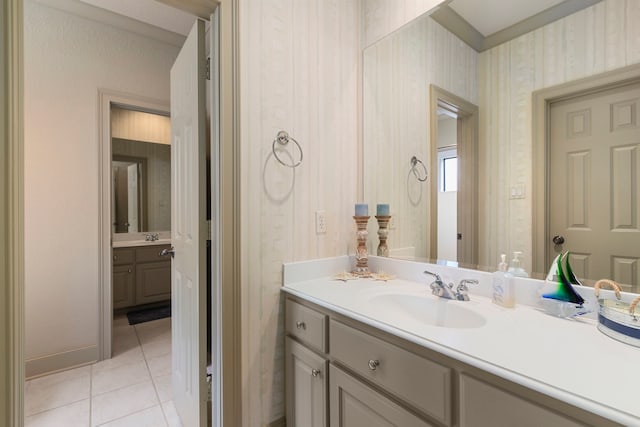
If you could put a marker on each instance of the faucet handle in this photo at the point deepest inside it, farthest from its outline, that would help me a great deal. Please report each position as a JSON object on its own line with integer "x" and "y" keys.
{"x": 438, "y": 279}
{"x": 462, "y": 286}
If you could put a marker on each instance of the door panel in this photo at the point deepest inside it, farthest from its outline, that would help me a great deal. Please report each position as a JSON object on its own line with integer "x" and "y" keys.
{"x": 188, "y": 230}
{"x": 595, "y": 183}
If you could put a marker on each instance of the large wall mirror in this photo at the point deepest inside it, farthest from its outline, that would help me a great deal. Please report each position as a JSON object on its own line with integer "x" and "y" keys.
{"x": 501, "y": 74}
{"x": 140, "y": 171}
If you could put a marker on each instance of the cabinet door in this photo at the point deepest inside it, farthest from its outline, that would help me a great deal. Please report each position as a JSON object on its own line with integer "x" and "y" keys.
{"x": 306, "y": 386}
{"x": 153, "y": 282}
{"x": 123, "y": 286}
{"x": 483, "y": 405}
{"x": 354, "y": 404}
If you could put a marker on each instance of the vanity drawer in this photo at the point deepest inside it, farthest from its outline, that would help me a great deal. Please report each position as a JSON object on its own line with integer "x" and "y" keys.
{"x": 306, "y": 324}
{"x": 416, "y": 380}
{"x": 151, "y": 253}
{"x": 122, "y": 256}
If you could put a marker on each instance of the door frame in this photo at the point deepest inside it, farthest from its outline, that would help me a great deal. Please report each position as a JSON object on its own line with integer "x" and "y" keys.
{"x": 11, "y": 214}
{"x": 105, "y": 296}
{"x": 541, "y": 106}
{"x": 467, "y": 136}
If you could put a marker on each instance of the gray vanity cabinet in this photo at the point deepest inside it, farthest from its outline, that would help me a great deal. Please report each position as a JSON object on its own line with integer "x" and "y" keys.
{"x": 123, "y": 277}
{"x": 483, "y": 405}
{"x": 306, "y": 386}
{"x": 306, "y": 373}
{"x": 347, "y": 374}
{"x": 123, "y": 286}
{"x": 140, "y": 276}
{"x": 354, "y": 404}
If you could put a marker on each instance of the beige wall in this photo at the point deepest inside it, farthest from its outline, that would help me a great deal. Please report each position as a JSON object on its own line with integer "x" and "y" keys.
{"x": 67, "y": 59}
{"x": 300, "y": 73}
{"x": 601, "y": 38}
{"x": 382, "y": 17}
{"x": 398, "y": 72}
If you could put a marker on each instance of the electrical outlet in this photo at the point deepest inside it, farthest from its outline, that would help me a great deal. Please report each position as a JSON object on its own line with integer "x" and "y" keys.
{"x": 321, "y": 222}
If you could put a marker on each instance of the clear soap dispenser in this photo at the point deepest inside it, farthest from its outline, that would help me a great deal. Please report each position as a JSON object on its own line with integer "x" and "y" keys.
{"x": 516, "y": 267}
{"x": 503, "y": 291}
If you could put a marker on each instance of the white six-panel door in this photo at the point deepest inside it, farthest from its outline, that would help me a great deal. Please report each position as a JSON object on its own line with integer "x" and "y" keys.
{"x": 595, "y": 184}
{"x": 188, "y": 230}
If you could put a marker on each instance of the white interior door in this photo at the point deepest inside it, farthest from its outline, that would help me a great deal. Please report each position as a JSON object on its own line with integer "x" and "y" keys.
{"x": 594, "y": 185}
{"x": 188, "y": 230}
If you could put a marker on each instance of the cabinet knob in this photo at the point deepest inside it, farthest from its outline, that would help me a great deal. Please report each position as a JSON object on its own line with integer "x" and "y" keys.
{"x": 373, "y": 364}
{"x": 301, "y": 325}
{"x": 129, "y": 270}
{"x": 115, "y": 257}
{"x": 315, "y": 372}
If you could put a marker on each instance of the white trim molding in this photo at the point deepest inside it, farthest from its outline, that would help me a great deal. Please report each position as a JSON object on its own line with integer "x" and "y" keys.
{"x": 11, "y": 215}
{"x": 60, "y": 361}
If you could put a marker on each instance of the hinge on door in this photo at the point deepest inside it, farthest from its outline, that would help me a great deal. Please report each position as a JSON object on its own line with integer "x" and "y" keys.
{"x": 208, "y": 68}
{"x": 209, "y": 381}
{"x": 209, "y": 230}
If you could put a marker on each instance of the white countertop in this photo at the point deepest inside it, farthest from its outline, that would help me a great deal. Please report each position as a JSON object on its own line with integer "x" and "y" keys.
{"x": 569, "y": 360}
{"x": 135, "y": 243}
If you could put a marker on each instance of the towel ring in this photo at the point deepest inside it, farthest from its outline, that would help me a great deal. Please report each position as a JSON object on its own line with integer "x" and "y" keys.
{"x": 414, "y": 163}
{"x": 283, "y": 139}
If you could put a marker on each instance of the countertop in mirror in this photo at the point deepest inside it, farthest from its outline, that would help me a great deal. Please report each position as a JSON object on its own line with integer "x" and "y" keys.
{"x": 135, "y": 243}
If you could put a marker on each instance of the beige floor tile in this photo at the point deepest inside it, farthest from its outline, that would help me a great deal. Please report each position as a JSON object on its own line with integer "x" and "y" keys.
{"x": 160, "y": 365}
{"x": 122, "y": 402}
{"x": 73, "y": 415}
{"x": 151, "y": 417}
{"x": 104, "y": 380}
{"x": 149, "y": 331}
{"x": 163, "y": 387}
{"x": 56, "y": 390}
{"x": 158, "y": 347}
{"x": 172, "y": 416}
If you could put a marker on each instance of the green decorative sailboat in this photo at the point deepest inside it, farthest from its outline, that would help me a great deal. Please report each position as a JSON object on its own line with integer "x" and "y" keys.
{"x": 563, "y": 300}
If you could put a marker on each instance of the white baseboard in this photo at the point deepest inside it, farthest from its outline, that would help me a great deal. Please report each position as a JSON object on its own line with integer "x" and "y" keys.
{"x": 60, "y": 361}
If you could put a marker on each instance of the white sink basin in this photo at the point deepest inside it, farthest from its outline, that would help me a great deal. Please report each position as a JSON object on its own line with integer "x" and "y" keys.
{"x": 428, "y": 310}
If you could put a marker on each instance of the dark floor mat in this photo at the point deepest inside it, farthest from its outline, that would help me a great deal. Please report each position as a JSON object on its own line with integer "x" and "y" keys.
{"x": 148, "y": 314}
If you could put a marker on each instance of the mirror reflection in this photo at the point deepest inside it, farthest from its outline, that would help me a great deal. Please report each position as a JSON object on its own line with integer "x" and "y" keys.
{"x": 501, "y": 75}
{"x": 141, "y": 172}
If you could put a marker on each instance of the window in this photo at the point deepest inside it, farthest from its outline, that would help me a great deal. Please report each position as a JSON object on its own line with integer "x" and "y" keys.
{"x": 448, "y": 170}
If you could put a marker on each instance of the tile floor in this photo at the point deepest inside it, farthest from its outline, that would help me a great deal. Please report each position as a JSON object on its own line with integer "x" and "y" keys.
{"x": 131, "y": 389}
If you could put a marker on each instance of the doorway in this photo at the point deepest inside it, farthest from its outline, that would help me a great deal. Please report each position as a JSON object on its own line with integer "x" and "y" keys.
{"x": 454, "y": 194}
{"x": 139, "y": 155}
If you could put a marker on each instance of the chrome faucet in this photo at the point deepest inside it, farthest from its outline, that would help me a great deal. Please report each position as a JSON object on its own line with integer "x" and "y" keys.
{"x": 442, "y": 290}
{"x": 462, "y": 291}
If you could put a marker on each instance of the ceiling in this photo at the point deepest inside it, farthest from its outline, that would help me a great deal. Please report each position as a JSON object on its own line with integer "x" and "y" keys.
{"x": 491, "y": 16}
{"x": 484, "y": 24}
{"x": 150, "y": 12}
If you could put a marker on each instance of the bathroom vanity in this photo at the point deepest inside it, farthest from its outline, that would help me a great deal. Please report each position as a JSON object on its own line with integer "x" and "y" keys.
{"x": 140, "y": 274}
{"x": 363, "y": 353}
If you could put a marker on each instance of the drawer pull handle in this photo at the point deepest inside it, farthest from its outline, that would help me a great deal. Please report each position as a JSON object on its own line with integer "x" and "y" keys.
{"x": 301, "y": 325}
{"x": 315, "y": 373}
{"x": 373, "y": 364}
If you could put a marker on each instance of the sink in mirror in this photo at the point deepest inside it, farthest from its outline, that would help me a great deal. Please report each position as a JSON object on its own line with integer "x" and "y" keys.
{"x": 427, "y": 310}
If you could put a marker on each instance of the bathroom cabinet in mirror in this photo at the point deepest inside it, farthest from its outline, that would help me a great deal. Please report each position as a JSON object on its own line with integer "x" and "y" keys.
{"x": 398, "y": 71}
{"x": 141, "y": 172}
